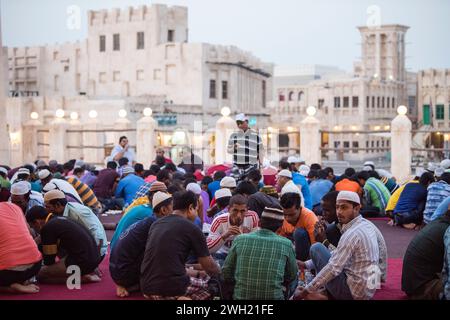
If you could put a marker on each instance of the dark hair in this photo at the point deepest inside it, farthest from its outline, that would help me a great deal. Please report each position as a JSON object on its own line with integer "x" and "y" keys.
{"x": 446, "y": 177}
{"x": 122, "y": 138}
{"x": 313, "y": 174}
{"x": 68, "y": 166}
{"x": 59, "y": 168}
{"x": 177, "y": 175}
{"x": 426, "y": 178}
{"x": 61, "y": 202}
{"x": 270, "y": 224}
{"x": 123, "y": 161}
{"x": 171, "y": 167}
{"x": 29, "y": 167}
{"x": 77, "y": 170}
{"x": 246, "y": 187}
{"x": 323, "y": 174}
{"x": 163, "y": 175}
{"x": 36, "y": 213}
{"x": 138, "y": 167}
{"x": 349, "y": 172}
{"x": 374, "y": 174}
{"x": 183, "y": 199}
{"x": 238, "y": 200}
{"x": 160, "y": 161}
{"x": 219, "y": 175}
{"x": 154, "y": 169}
{"x": 289, "y": 200}
{"x": 173, "y": 188}
{"x": 364, "y": 175}
{"x": 3, "y": 174}
{"x": 254, "y": 175}
{"x": 330, "y": 197}
{"x": 316, "y": 166}
{"x": 223, "y": 202}
{"x": 162, "y": 204}
{"x": 111, "y": 165}
{"x": 284, "y": 165}
{"x": 207, "y": 180}
{"x": 22, "y": 176}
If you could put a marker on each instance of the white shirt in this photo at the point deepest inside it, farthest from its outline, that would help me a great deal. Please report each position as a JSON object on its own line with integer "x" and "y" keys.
{"x": 63, "y": 186}
{"x": 129, "y": 154}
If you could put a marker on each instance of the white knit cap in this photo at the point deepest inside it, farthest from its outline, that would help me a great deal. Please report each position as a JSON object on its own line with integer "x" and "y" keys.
{"x": 23, "y": 171}
{"x": 290, "y": 187}
{"x": 241, "y": 117}
{"x": 222, "y": 193}
{"x": 228, "y": 182}
{"x": 160, "y": 197}
{"x": 3, "y": 170}
{"x": 369, "y": 163}
{"x": 348, "y": 196}
{"x": 445, "y": 164}
{"x": 43, "y": 174}
{"x": 304, "y": 170}
{"x": 194, "y": 187}
{"x": 285, "y": 173}
{"x": 20, "y": 188}
{"x": 439, "y": 172}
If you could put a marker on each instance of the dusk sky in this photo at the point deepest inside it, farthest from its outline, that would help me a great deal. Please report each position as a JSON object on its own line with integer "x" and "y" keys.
{"x": 285, "y": 32}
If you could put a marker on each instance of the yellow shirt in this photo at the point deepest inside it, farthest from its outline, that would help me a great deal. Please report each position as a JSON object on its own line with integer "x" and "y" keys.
{"x": 138, "y": 202}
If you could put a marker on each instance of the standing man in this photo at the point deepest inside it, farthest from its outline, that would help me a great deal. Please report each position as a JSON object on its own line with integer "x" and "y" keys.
{"x": 122, "y": 150}
{"x": 246, "y": 146}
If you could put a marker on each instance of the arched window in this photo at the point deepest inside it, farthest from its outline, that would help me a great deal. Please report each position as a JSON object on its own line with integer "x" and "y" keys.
{"x": 300, "y": 96}
{"x": 291, "y": 96}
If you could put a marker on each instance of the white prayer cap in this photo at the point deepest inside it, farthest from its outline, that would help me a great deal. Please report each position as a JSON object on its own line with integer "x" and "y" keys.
{"x": 369, "y": 163}
{"x": 445, "y": 164}
{"x": 349, "y": 196}
{"x": 54, "y": 194}
{"x": 290, "y": 188}
{"x": 160, "y": 197}
{"x": 3, "y": 170}
{"x": 23, "y": 171}
{"x": 43, "y": 174}
{"x": 304, "y": 170}
{"x": 241, "y": 117}
{"x": 285, "y": 173}
{"x": 228, "y": 182}
{"x": 439, "y": 172}
{"x": 273, "y": 213}
{"x": 20, "y": 188}
{"x": 419, "y": 172}
{"x": 222, "y": 193}
{"x": 194, "y": 187}
{"x": 367, "y": 168}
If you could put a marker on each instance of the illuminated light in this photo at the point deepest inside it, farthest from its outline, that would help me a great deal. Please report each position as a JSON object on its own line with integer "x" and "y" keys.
{"x": 375, "y": 75}
{"x": 34, "y": 115}
{"x": 387, "y": 127}
{"x": 402, "y": 110}
{"x": 225, "y": 111}
{"x": 60, "y": 113}
{"x": 354, "y": 128}
{"x": 74, "y": 115}
{"x": 270, "y": 129}
{"x": 148, "y": 112}
{"x": 123, "y": 113}
{"x": 93, "y": 114}
{"x": 290, "y": 129}
{"x": 376, "y": 128}
{"x": 311, "y": 111}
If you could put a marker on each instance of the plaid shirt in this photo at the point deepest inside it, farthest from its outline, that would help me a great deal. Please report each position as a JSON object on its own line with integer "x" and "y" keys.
{"x": 437, "y": 193}
{"x": 360, "y": 251}
{"x": 250, "y": 147}
{"x": 260, "y": 263}
{"x": 377, "y": 194}
{"x": 446, "y": 270}
{"x": 143, "y": 190}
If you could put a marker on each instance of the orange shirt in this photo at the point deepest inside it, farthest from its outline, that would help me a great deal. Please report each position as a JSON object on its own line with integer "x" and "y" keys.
{"x": 17, "y": 247}
{"x": 307, "y": 221}
{"x": 348, "y": 185}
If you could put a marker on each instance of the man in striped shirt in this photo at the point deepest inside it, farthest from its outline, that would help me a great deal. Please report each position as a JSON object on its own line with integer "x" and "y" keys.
{"x": 354, "y": 269}
{"x": 86, "y": 194}
{"x": 437, "y": 193}
{"x": 245, "y": 145}
{"x": 224, "y": 228}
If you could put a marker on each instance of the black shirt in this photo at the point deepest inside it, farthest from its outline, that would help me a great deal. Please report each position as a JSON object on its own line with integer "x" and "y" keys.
{"x": 170, "y": 241}
{"x": 424, "y": 258}
{"x": 62, "y": 234}
{"x": 128, "y": 251}
{"x": 259, "y": 201}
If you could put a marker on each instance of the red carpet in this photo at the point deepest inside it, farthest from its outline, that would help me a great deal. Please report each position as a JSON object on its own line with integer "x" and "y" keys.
{"x": 105, "y": 290}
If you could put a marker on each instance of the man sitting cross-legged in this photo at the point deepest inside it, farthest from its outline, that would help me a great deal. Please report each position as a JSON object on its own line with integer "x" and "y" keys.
{"x": 262, "y": 264}
{"x": 20, "y": 259}
{"x": 126, "y": 256}
{"x": 62, "y": 235}
{"x": 352, "y": 270}
{"x": 226, "y": 227}
{"x": 170, "y": 242}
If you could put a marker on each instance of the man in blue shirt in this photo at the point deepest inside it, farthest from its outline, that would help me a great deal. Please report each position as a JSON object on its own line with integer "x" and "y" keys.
{"x": 441, "y": 210}
{"x": 129, "y": 185}
{"x": 446, "y": 270}
{"x": 293, "y": 164}
{"x": 215, "y": 185}
{"x": 319, "y": 188}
